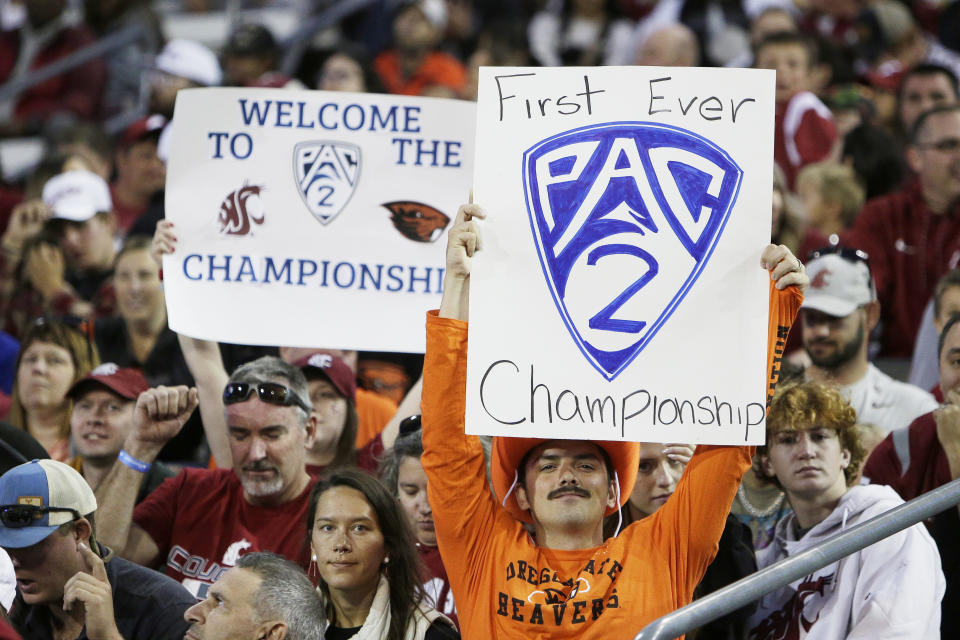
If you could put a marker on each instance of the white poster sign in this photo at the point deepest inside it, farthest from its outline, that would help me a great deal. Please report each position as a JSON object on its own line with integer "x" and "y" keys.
{"x": 309, "y": 218}
{"x": 619, "y": 294}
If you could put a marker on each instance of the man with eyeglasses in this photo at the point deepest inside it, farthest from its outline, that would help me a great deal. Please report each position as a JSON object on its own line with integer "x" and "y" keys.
{"x": 198, "y": 524}
{"x": 68, "y": 585}
{"x": 838, "y": 314}
{"x": 913, "y": 235}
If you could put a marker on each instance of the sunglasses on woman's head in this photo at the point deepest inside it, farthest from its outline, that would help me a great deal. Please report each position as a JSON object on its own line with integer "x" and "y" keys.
{"x": 81, "y": 325}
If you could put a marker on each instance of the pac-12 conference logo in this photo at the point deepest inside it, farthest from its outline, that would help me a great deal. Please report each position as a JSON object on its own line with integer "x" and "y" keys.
{"x": 327, "y": 174}
{"x": 625, "y": 216}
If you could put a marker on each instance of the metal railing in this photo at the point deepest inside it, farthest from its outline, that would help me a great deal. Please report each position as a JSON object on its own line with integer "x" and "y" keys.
{"x": 294, "y": 45}
{"x": 299, "y": 39}
{"x": 98, "y": 49}
{"x": 780, "y": 574}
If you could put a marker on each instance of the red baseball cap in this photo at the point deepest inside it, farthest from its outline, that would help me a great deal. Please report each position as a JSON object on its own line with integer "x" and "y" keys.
{"x": 146, "y": 126}
{"x": 126, "y": 382}
{"x": 336, "y": 371}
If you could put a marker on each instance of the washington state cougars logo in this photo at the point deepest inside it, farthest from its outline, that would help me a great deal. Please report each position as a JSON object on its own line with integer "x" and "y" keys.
{"x": 239, "y": 209}
{"x": 819, "y": 281}
{"x": 792, "y": 622}
{"x": 417, "y": 221}
{"x": 327, "y": 175}
{"x": 625, "y": 216}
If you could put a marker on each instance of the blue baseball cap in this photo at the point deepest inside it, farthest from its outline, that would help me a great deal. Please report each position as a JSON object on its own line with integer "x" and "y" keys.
{"x": 37, "y": 498}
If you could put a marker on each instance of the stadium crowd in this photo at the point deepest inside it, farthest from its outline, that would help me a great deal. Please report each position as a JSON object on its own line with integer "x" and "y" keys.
{"x": 159, "y": 486}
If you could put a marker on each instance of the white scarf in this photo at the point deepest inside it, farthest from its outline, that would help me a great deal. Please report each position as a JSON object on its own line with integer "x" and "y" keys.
{"x": 377, "y": 624}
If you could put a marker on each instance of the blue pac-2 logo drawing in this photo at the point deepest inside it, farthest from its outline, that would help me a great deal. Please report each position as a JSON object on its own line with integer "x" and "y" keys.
{"x": 327, "y": 174}
{"x": 625, "y": 216}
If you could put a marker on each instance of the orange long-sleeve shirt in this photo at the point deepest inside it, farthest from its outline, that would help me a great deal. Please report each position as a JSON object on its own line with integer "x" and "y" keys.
{"x": 505, "y": 585}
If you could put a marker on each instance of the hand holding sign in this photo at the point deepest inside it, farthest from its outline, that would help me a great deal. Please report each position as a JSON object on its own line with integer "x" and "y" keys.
{"x": 164, "y": 242}
{"x": 784, "y": 267}
{"x": 463, "y": 241}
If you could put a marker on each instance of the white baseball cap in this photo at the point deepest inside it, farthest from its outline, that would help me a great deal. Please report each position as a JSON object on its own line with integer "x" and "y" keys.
{"x": 839, "y": 285}
{"x": 191, "y": 60}
{"x": 77, "y": 195}
{"x": 38, "y": 497}
{"x": 435, "y": 11}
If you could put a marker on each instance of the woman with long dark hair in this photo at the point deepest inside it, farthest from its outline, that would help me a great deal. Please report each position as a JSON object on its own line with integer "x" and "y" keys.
{"x": 403, "y": 474}
{"x": 365, "y": 560}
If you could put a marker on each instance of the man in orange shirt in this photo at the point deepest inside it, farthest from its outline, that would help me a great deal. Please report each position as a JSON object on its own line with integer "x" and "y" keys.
{"x": 566, "y": 581}
{"x": 413, "y": 66}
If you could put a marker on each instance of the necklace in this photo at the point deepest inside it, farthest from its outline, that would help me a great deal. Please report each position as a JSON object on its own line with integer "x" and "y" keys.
{"x": 754, "y": 511}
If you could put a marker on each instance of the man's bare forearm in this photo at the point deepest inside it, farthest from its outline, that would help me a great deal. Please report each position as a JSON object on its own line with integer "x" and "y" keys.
{"x": 456, "y": 298}
{"x": 116, "y": 497}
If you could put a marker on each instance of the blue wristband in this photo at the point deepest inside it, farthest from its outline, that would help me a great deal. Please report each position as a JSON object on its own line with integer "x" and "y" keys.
{"x": 133, "y": 463}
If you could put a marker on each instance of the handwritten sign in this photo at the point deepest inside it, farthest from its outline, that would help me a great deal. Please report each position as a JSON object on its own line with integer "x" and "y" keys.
{"x": 309, "y": 218}
{"x": 619, "y": 294}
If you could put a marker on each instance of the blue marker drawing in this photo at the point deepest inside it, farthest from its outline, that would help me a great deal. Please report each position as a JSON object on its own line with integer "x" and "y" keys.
{"x": 631, "y": 211}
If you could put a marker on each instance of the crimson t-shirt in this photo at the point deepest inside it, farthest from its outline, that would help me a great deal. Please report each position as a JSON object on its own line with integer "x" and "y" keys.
{"x": 126, "y": 215}
{"x": 202, "y": 524}
{"x": 919, "y": 449}
{"x": 804, "y": 133}
{"x": 435, "y": 582}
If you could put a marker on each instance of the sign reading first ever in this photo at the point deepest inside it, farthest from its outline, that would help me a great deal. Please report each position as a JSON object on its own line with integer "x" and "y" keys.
{"x": 627, "y": 211}
{"x": 303, "y": 215}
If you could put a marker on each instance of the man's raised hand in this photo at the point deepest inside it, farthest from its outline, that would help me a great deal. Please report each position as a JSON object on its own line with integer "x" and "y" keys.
{"x": 27, "y": 219}
{"x": 947, "y": 418}
{"x": 159, "y": 415}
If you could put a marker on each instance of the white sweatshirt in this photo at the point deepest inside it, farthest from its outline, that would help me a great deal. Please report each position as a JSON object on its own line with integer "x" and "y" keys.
{"x": 890, "y": 590}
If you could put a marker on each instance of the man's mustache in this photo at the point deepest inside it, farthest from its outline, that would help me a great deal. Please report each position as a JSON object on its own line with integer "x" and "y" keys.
{"x": 562, "y": 491}
{"x": 260, "y": 465}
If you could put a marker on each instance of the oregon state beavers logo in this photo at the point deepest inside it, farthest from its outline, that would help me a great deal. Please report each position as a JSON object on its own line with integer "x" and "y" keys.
{"x": 550, "y": 595}
{"x": 237, "y": 210}
{"x": 820, "y": 280}
{"x": 416, "y": 220}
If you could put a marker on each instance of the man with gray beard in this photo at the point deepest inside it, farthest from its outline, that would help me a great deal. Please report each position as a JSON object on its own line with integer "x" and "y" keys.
{"x": 199, "y": 523}
{"x": 838, "y": 313}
